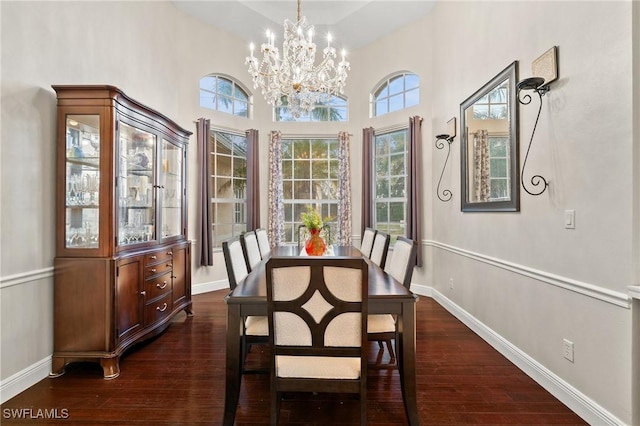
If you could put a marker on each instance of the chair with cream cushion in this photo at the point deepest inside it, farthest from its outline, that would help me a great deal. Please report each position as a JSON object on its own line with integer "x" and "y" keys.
{"x": 367, "y": 241}
{"x": 255, "y": 329}
{"x": 380, "y": 248}
{"x": 249, "y": 242}
{"x": 382, "y": 328}
{"x": 263, "y": 242}
{"x": 318, "y": 313}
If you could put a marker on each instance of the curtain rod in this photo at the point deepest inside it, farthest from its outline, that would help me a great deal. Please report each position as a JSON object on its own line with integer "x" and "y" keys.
{"x": 387, "y": 129}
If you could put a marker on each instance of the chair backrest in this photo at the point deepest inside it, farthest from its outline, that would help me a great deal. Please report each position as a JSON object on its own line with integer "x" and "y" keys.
{"x": 367, "y": 241}
{"x": 317, "y": 307}
{"x": 251, "y": 249}
{"x": 403, "y": 259}
{"x": 380, "y": 248}
{"x": 263, "y": 242}
{"x": 235, "y": 261}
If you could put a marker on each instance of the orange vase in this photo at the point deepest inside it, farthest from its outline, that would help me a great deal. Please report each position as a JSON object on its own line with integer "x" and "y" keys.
{"x": 315, "y": 245}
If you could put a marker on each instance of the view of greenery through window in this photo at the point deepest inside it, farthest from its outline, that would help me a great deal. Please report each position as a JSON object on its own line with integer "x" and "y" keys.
{"x": 229, "y": 185}
{"x": 334, "y": 108}
{"x": 310, "y": 177}
{"x": 222, "y": 94}
{"x": 398, "y": 92}
{"x": 390, "y": 165}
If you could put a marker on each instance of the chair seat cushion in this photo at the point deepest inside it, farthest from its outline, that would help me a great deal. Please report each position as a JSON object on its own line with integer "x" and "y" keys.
{"x": 317, "y": 367}
{"x": 257, "y": 326}
{"x": 384, "y": 323}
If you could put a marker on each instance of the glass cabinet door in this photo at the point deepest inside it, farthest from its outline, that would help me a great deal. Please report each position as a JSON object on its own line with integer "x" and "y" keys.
{"x": 135, "y": 183}
{"x": 82, "y": 185}
{"x": 171, "y": 188}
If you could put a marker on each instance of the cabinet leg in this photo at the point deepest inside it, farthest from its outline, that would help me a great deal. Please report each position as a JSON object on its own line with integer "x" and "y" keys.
{"x": 57, "y": 366}
{"x": 189, "y": 311}
{"x": 110, "y": 367}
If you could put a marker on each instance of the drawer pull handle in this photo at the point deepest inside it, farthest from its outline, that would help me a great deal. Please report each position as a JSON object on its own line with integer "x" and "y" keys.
{"x": 168, "y": 265}
{"x": 143, "y": 293}
{"x": 170, "y": 253}
{"x": 153, "y": 257}
{"x": 164, "y": 284}
{"x": 164, "y": 307}
{"x": 152, "y": 269}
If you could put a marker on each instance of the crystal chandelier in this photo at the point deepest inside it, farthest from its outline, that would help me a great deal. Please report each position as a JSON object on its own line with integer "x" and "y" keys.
{"x": 295, "y": 76}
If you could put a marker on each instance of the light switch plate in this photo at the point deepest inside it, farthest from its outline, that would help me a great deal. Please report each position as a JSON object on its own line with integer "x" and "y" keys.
{"x": 570, "y": 219}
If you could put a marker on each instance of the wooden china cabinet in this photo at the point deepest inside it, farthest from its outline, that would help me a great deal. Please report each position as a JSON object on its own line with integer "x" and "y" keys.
{"x": 122, "y": 266}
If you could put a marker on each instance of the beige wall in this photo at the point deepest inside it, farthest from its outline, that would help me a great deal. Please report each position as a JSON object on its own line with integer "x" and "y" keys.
{"x": 520, "y": 275}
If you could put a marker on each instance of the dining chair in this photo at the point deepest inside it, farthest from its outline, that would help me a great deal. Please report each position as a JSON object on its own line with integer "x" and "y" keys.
{"x": 263, "y": 242}
{"x": 380, "y": 248}
{"x": 251, "y": 250}
{"x": 255, "y": 329}
{"x": 318, "y": 313}
{"x": 383, "y": 328}
{"x": 367, "y": 241}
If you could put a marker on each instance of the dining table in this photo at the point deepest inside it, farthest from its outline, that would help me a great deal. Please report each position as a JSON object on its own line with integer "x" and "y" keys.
{"x": 386, "y": 296}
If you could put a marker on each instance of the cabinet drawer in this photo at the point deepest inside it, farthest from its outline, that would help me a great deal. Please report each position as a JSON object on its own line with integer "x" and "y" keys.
{"x": 160, "y": 268}
{"x": 157, "y": 286}
{"x": 158, "y": 309}
{"x": 159, "y": 256}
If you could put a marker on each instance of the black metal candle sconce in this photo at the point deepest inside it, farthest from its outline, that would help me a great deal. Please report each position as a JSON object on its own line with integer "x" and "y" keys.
{"x": 547, "y": 65}
{"x": 440, "y": 139}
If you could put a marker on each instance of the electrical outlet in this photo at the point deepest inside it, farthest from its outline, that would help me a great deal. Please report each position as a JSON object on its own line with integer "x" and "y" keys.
{"x": 567, "y": 349}
{"x": 450, "y": 282}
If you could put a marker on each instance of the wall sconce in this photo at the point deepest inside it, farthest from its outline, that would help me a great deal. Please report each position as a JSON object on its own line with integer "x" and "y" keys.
{"x": 547, "y": 66}
{"x": 451, "y": 127}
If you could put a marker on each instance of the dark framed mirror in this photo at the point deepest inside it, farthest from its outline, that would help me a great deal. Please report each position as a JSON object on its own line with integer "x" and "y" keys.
{"x": 489, "y": 146}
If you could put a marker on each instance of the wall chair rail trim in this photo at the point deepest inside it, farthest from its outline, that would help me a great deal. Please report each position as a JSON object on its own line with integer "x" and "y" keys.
{"x": 26, "y": 277}
{"x": 609, "y": 296}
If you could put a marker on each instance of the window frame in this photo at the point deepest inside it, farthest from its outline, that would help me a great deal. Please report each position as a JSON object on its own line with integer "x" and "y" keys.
{"x": 389, "y": 200}
{"x": 294, "y": 206}
{"x": 382, "y": 93}
{"x": 283, "y": 111}
{"x": 236, "y": 226}
{"x": 236, "y": 87}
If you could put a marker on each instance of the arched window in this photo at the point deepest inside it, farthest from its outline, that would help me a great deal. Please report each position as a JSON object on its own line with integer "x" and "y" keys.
{"x": 396, "y": 92}
{"x": 222, "y": 93}
{"x": 333, "y": 108}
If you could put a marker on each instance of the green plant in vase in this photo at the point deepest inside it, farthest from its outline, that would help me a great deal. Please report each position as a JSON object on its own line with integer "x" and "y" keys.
{"x": 311, "y": 219}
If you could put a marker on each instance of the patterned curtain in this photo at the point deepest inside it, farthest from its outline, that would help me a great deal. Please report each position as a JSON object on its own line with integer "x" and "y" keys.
{"x": 481, "y": 160}
{"x": 253, "y": 180}
{"x": 414, "y": 182}
{"x": 344, "y": 190}
{"x": 205, "y": 237}
{"x": 275, "y": 228}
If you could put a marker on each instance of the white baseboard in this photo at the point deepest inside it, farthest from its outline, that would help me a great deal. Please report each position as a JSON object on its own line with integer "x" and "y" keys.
{"x": 579, "y": 403}
{"x": 24, "y": 379}
{"x": 210, "y": 286}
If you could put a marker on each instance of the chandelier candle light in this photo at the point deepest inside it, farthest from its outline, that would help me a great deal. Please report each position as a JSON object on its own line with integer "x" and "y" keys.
{"x": 295, "y": 76}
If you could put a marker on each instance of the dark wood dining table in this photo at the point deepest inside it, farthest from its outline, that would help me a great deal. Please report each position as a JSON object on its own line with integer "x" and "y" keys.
{"x": 386, "y": 296}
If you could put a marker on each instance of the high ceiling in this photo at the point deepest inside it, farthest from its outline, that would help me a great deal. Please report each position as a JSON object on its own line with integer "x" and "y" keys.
{"x": 352, "y": 23}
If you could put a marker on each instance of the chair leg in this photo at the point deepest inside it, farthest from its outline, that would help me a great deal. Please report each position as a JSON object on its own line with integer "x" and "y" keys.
{"x": 275, "y": 407}
{"x": 392, "y": 353}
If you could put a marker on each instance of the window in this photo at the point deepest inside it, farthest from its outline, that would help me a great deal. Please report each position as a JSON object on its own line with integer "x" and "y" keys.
{"x": 229, "y": 185}
{"x": 493, "y": 106}
{"x": 310, "y": 177}
{"x": 390, "y": 190}
{"x": 395, "y": 93}
{"x": 499, "y": 182}
{"x": 333, "y": 108}
{"x": 224, "y": 94}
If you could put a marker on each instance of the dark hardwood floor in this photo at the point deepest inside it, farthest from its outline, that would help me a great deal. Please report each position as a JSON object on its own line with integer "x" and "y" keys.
{"x": 177, "y": 378}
